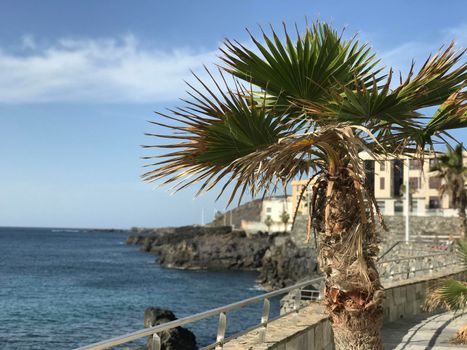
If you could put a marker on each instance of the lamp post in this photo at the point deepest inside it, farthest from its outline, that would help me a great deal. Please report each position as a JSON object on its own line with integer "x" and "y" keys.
{"x": 407, "y": 201}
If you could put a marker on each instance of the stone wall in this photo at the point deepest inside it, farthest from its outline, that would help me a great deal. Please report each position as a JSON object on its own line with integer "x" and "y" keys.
{"x": 420, "y": 227}
{"x": 310, "y": 329}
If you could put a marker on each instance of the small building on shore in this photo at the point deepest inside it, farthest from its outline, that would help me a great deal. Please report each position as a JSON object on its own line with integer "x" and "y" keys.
{"x": 275, "y": 215}
{"x": 267, "y": 215}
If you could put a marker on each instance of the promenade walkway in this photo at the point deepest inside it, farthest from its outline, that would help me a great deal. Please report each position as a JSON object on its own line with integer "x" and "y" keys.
{"x": 424, "y": 332}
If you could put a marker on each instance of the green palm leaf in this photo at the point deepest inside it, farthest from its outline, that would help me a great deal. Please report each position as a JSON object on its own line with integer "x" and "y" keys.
{"x": 462, "y": 249}
{"x": 306, "y": 68}
{"x": 451, "y": 295}
{"x": 450, "y": 168}
{"x": 216, "y": 130}
{"x": 316, "y": 100}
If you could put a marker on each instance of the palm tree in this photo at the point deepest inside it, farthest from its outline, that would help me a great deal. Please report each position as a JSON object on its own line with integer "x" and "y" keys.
{"x": 268, "y": 222}
{"x": 285, "y": 217}
{"x": 305, "y": 107}
{"x": 451, "y": 295}
{"x": 450, "y": 168}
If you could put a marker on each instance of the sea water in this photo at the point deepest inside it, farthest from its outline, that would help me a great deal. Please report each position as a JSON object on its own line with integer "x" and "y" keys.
{"x": 60, "y": 289}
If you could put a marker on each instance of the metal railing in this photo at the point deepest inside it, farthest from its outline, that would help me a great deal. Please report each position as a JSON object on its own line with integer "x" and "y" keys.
{"x": 413, "y": 266}
{"x": 220, "y": 311}
{"x": 389, "y": 269}
{"x": 415, "y": 247}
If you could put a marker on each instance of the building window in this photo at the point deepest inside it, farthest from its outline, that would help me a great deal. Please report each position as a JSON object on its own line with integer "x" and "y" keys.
{"x": 434, "y": 183}
{"x": 381, "y": 183}
{"x": 415, "y": 164}
{"x": 414, "y": 206}
{"x": 414, "y": 182}
{"x": 397, "y": 177}
{"x": 434, "y": 203}
{"x": 398, "y": 206}
{"x": 382, "y": 165}
{"x": 268, "y": 210}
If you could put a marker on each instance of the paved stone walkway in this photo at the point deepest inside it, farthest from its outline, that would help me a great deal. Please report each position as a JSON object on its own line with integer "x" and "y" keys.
{"x": 424, "y": 333}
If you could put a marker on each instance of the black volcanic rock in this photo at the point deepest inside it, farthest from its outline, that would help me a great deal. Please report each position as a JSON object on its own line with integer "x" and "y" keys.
{"x": 276, "y": 256}
{"x": 214, "y": 250}
{"x": 178, "y": 338}
{"x": 285, "y": 264}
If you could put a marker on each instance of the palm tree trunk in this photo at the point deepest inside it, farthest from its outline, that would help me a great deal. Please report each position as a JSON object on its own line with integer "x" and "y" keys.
{"x": 348, "y": 250}
{"x": 463, "y": 221}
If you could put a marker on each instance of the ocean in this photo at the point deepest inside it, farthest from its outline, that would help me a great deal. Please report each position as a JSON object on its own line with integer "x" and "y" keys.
{"x": 61, "y": 289}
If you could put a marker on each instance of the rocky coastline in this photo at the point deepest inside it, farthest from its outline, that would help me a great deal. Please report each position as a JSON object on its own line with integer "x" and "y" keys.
{"x": 279, "y": 261}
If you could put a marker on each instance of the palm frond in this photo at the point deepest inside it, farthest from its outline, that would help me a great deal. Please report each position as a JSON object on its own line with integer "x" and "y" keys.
{"x": 315, "y": 101}
{"x": 305, "y": 68}
{"x": 394, "y": 115}
{"x": 218, "y": 128}
{"x": 462, "y": 249}
{"x": 450, "y": 295}
{"x": 452, "y": 114}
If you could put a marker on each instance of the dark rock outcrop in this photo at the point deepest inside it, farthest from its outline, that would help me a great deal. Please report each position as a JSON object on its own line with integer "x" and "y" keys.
{"x": 285, "y": 263}
{"x": 216, "y": 252}
{"x": 280, "y": 261}
{"x": 178, "y": 338}
{"x": 200, "y": 247}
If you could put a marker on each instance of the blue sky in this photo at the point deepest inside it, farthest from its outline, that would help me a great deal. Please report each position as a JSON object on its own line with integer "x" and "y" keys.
{"x": 80, "y": 79}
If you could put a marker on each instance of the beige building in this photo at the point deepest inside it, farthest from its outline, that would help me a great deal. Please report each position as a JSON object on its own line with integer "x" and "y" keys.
{"x": 387, "y": 180}
{"x": 271, "y": 210}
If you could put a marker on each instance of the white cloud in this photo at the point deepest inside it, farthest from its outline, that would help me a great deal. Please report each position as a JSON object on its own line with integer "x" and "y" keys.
{"x": 124, "y": 70}
{"x": 96, "y": 70}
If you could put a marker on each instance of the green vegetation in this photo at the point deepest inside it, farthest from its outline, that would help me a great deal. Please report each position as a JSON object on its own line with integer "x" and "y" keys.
{"x": 450, "y": 168}
{"x": 451, "y": 295}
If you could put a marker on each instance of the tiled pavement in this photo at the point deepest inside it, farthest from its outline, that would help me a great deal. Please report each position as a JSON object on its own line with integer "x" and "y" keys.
{"x": 424, "y": 333}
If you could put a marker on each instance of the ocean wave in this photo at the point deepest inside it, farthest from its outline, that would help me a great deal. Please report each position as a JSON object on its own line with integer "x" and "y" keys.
{"x": 257, "y": 287}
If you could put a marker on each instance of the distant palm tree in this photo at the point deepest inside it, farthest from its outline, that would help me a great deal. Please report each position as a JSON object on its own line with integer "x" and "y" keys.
{"x": 451, "y": 295}
{"x": 285, "y": 217}
{"x": 305, "y": 107}
{"x": 268, "y": 222}
{"x": 450, "y": 168}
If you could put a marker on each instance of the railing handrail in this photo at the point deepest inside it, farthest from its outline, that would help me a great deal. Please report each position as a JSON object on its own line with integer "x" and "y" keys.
{"x": 220, "y": 310}
{"x": 388, "y": 250}
{"x": 415, "y": 257}
{"x": 193, "y": 318}
{"x": 397, "y": 243}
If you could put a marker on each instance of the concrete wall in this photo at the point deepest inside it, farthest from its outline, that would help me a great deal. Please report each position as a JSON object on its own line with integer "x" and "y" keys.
{"x": 310, "y": 329}
{"x": 405, "y": 298}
